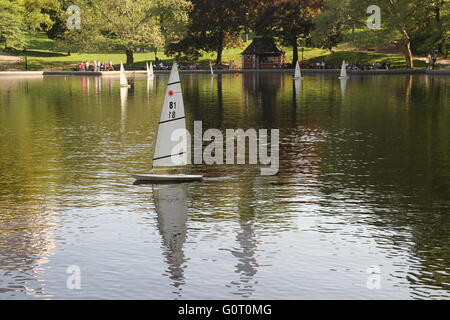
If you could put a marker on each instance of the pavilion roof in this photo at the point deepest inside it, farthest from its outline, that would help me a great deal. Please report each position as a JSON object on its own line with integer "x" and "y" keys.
{"x": 264, "y": 45}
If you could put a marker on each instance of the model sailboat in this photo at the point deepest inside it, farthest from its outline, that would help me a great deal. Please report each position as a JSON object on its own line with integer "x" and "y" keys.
{"x": 297, "y": 73}
{"x": 343, "y": 71}
{"x": 150, "y": 70}
{"x": 211, "y": 69}
{"x": 123, "y": 77}
{"x": 170, "y": 154}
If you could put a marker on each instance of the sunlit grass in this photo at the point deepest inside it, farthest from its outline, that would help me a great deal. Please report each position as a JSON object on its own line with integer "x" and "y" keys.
{"x": 42, "y": 57}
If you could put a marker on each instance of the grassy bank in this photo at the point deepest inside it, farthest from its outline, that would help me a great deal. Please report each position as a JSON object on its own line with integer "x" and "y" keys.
{"x": 42, "y": 56}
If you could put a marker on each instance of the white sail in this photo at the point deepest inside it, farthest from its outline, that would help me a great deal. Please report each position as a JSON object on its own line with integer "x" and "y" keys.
{"x": 343, "y": 70}
{"x": 171, "y": 145}
{"x": 211, "y": 69}
{"x": 150, "y": 70}
{"x": 123, "y": 76}
{"x": 297, "y": 73}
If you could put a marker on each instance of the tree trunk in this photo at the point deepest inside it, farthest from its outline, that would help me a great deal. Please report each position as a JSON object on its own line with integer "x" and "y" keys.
{"x": 407, "y": 51}
{"x": 219, "y": 48}
{"x": 408, "y": 55}
{"x": 130, "y": 58}
{"x": 294, "y": 52}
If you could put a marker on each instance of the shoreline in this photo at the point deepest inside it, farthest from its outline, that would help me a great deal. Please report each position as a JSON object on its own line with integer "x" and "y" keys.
{"x": 239, "y": 71}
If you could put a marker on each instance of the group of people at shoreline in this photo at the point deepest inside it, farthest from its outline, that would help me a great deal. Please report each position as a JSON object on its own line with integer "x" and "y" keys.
{"x": 351, "y": 66}
{"x": 96, "y": 66}
{"x": 100, "y": 66}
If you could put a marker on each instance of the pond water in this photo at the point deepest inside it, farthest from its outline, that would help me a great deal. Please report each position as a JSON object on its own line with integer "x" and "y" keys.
{"x": 360, "y": 208}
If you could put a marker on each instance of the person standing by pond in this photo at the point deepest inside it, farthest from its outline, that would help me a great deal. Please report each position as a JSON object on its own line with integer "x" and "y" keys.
{"x": 435, "y": 58}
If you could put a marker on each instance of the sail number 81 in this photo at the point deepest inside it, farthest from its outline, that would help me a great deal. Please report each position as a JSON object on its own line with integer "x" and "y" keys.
{"x": 172, "y": 105}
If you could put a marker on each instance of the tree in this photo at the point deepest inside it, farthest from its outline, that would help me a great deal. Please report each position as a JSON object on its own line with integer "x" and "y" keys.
{"x": 126, "y": 24}
{"x": 402, "y": 16}
{"x": 59, "y": 18}
{"x": 11, "y": 24}
{"x": 401, "y": 21}
{"x": 36, "y": 15}
{"x": 288, "y": 21}
{"x": 213, "y": 26}
{"x": 17, "y": 17}
{"x": 435, "y": 28}
{"x": 330, "y": 24}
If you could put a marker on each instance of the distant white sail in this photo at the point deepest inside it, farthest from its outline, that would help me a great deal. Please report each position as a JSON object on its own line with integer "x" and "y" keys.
{"x": 343, "y": 70}
{"x": 297, "y": 74}
{"x": 123, "y": 76}
{"x": 171, "y": 151}
{"x": 211, "y": 69}
{"x": 150, "y": 70}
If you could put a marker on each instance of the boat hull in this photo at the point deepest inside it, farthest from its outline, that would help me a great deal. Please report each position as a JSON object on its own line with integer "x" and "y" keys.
{"x": 167, "y": 177}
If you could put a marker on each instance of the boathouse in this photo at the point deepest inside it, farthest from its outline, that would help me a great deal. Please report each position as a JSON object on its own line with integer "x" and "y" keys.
{"x": 262, "y": 53}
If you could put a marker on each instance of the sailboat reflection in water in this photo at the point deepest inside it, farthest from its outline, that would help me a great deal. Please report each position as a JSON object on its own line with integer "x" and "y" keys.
{"x": 171, "y": 207}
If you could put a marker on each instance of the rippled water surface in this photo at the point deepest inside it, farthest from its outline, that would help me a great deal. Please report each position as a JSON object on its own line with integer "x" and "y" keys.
{"x": 362, "y": 198}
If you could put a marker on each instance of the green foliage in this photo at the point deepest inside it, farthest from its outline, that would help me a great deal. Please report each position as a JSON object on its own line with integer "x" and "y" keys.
{"x": 330, "y": 24}
{"x": 35, "y": 13}
{"x": 213, "y": 26}
{"x": 18, "y": 17}
{"x": 191, "y": 30}
{"x": 11, "y": 24}
{"x": 400, "y": 20}
{"x": 288, "y": 21}
{"x": 126, "y": 25}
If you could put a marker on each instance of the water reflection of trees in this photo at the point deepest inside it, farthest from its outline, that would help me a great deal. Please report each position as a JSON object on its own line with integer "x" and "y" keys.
{"x": 392, "y": 154}
{"x": 26, "y": 241}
